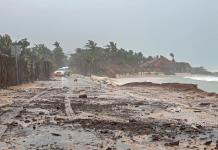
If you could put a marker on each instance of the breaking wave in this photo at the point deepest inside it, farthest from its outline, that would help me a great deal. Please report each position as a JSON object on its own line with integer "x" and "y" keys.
{"x": 203, "y": 78}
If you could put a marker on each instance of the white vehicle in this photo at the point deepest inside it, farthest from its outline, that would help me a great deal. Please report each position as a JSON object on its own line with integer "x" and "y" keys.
{"x": 64, "y": 71}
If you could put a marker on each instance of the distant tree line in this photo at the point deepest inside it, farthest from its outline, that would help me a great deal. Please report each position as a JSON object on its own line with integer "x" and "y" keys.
{"x": 91, "y": 59}
{"x": 37, "y": 53}
{"x": 107, "y": 60}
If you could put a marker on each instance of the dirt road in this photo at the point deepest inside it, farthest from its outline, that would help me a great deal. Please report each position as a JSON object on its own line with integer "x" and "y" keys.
{"x": 78, "y": 113}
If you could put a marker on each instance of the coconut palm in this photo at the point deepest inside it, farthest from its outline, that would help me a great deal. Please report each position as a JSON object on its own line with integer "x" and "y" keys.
{"x": 56, "y": 44}
{"x": 112, "y": 46}
{"x": 91, "y": 45}
{"x": 5, "y": 44}
{"x": 24, "y": 43}
{"x": 172, "y": 55}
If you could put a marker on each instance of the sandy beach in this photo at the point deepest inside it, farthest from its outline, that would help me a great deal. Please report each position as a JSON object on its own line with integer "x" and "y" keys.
{"x": 91, "y": 113}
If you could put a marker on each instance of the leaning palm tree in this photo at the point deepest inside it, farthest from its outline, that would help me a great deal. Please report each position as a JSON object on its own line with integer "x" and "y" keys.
{"x": 112, "y": 46}
{"x": 56, "y": 44}
{"x": 91, "y": 44}
{"x": 24, "y": 43}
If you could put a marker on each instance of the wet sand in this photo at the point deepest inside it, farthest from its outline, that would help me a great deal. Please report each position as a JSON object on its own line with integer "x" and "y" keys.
{"x": 50, "y": 115}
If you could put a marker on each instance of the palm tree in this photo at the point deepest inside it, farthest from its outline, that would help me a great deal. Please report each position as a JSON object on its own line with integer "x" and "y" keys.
{"x": 5, "y": 44}
{"x": 172, "y": 55}
{"x": 91, "y": 44}
{"x": 58, "y": 55}
{"x": 42, "y": 52}
{"x": 56, "y": 44}
{"x": 24, "y": 43}
{"x": 112, "y": 46}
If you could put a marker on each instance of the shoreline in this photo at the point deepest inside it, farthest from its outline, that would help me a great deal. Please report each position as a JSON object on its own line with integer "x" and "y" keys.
{"x": 174, "y": 86}
{"x": 206, "y": 86}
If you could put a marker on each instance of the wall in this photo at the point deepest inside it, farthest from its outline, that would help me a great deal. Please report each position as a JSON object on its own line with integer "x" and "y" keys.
{"x": 12, "y": 73}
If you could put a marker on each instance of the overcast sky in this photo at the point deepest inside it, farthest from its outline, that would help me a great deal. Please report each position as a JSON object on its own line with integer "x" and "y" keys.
{"x": 188, "y": 28}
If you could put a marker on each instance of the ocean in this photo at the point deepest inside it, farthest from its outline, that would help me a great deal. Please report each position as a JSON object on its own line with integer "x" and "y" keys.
{"x": 206, "y": 83}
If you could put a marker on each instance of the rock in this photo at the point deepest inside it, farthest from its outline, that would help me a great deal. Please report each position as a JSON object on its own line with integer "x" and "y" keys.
{"x": 208, "y": 142}
{"x": 174, "y": 143}
{"x": 83, "y": 96}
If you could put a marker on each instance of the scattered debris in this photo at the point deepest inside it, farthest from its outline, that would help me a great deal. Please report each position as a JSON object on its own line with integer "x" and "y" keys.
{"x": 208, "y": 142}
{"x": 110, "y": 117}
{"x": 83, "y": 96}
{"x": 204, "y": 104}
{"x": 55, "y": 134}
{"x": 173, "y": 143}
{"x": 109, "y": 148}
{"x": 216, "y": 144}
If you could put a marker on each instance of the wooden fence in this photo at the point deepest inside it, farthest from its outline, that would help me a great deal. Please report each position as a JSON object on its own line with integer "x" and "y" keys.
{"x": 14, "y": 72}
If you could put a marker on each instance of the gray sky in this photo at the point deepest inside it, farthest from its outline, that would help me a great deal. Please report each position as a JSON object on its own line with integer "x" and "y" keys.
{"x": 188, "y": 28}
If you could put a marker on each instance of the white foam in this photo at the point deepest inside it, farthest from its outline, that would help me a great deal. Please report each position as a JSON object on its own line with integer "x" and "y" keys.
{"x": 203, "y": 78}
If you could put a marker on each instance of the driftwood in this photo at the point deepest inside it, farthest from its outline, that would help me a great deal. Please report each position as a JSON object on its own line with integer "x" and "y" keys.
{"x": 12, "y": 73}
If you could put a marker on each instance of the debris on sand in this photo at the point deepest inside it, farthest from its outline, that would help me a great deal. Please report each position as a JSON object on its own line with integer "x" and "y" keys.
{"x": 208, "y": 142}
{"x": 204, "y": 104}
{"x": 93, "y": 116}
{"x": 55, "y": 134}
{"x": 173, "y": 143}
{"x": 109, "y": 148}
{"x": 155, "y": 137}
{"x": 83, "y": 96}
{"x": 216, "y": 145}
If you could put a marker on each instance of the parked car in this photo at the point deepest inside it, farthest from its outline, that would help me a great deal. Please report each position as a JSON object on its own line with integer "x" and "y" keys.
{"x": 64, "y": 71}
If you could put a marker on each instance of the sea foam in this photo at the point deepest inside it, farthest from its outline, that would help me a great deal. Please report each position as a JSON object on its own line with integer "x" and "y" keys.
{"x": 203, "y": 78}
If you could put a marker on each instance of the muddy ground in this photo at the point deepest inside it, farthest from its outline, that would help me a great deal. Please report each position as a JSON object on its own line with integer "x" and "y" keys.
{"x": 79, "y": 113}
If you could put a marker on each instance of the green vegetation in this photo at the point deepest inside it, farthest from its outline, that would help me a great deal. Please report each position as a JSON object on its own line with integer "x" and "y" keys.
{"x": 59, "y": 58}
{"x": 93, "y": 59}
{"x": 5, "y": 44}
{"x": 172, "y": 56}
{"x": 38, "y": 53}
{"x": 108, "y": 60}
